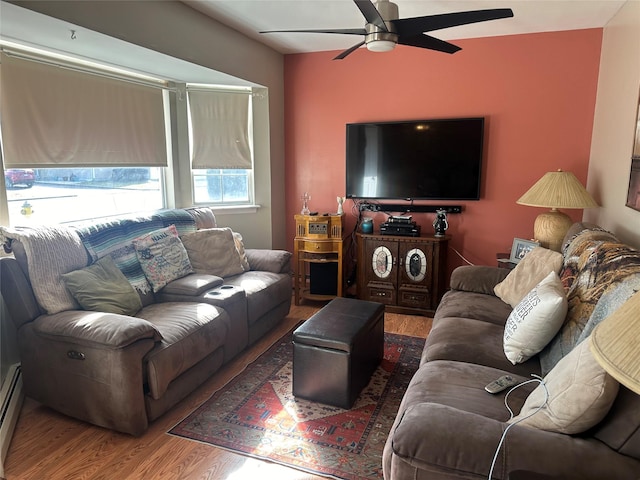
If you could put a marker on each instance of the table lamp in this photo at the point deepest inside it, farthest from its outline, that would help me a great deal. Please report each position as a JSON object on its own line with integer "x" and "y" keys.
{"x": 555, "y": 190}
{"x": 614, "y": 344}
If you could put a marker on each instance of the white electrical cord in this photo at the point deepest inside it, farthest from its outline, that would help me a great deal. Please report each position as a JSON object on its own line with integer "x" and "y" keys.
{"x": 538, "y": 379}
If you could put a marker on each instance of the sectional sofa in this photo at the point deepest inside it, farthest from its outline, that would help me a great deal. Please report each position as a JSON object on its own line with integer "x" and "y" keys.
{"x": 535, "y": 319}
{"x": 119, "y": 320}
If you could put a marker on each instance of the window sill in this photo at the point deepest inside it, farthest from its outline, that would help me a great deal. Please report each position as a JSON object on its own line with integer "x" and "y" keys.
{"x": 234, "y": 209}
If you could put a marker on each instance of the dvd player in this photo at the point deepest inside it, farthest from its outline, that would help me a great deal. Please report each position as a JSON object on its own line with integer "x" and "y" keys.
{"x": 401, "y": 229}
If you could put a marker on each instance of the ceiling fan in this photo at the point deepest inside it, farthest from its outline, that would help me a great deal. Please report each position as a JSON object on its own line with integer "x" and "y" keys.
{"x": 384, "y": 30}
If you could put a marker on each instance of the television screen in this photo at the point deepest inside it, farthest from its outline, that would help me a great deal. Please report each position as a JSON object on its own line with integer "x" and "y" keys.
{"x": 417, "y": 159}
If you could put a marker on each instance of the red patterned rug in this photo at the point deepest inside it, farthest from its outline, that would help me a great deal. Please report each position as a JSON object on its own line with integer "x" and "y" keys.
{"x": 255, "y": 414}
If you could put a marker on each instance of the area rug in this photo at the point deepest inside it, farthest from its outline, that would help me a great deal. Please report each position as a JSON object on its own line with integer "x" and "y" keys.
{"x": 255, "y": 414}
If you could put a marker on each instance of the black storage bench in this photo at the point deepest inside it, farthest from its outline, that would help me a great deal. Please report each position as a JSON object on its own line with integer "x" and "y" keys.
{"x": 337, "y": 350}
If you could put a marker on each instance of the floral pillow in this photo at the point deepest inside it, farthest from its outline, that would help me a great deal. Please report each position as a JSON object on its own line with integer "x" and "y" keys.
{"x": 162, "y": 256}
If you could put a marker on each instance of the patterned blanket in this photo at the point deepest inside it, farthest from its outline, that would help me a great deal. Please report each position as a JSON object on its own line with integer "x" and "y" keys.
{"x": 115, "y": 237}
{"x": 600, "y": 274}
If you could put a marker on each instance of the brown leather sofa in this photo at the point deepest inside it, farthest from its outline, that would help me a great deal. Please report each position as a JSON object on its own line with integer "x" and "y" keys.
{"x": 449, "y": 427}
{"x": 123, "y": 371}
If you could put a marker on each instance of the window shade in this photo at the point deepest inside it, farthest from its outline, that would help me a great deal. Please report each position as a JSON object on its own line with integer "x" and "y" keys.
{"x": 220, "y": 129}
{"x": 58, "y": 116}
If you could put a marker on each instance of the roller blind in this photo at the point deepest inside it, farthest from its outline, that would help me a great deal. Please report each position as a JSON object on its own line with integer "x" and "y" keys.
{"x": 57, "y": 116}
{"x": 220, "y": 129}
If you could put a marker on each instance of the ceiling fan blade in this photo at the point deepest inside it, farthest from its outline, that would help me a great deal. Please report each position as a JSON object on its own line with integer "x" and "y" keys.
{"x": 426, "y": 41}
{"x": 416, "y": 25}
{"x": 345, "y": 31}
{"x": 350, "y": 50}
{"x": 371, "y": 14}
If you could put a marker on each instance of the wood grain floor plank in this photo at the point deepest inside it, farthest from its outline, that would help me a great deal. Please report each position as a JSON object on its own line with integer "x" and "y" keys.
{"x": 49, "y": 446}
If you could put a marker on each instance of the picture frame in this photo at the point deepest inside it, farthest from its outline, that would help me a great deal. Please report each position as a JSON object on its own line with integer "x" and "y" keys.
{"x": 633, "y": 194}
{"x": 520, "y": 248}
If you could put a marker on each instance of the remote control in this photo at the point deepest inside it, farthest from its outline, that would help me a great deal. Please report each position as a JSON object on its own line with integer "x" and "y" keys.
{"x": 501, "y": 384}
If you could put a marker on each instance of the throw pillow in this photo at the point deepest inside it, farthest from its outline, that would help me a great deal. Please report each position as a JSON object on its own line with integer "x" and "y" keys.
{"x": 102, "y": 287}
{"x": 580, "y": 395}
{"x": 535, "y": 320}
{"x": 213, "y": 251}
{"x": 49, "y": 251}
{"x": 162, "y": 256}
{"x": 527, "y": 274}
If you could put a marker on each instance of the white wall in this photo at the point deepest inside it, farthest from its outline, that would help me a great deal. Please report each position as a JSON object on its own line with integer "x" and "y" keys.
{"x": 175, "y": 29}
{"x": 614, "y": 125}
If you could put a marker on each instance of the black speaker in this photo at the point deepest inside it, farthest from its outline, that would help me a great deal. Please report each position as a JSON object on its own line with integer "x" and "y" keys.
{"x": 323, "y": 278}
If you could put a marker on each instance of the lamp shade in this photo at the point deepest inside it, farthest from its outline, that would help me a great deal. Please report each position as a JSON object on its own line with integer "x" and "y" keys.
{"x": 557, "y": 190}
{"x": 615, "y": 343}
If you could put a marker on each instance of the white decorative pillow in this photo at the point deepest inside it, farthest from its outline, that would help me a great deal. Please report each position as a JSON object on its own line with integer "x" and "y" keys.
{"x": 50, "y": 251}
{"x": 527, "y": 274}
{"x": 162, "y": 256}
{"x": 213, "y": 251}
{"x": 580, "y": 395}
{"x": 535, "y": 320}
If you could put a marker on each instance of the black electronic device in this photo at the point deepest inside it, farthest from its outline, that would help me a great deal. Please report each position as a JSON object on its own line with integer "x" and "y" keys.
{"x": 439, "y": 159}
{"x": 400, "y": 219}
{"x": 401, "y": 229}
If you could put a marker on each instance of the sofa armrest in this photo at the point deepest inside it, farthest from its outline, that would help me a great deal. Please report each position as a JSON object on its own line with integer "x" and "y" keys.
{"x": 276, "y": 261}
{"x": 440, "y": 438}
{"x": 477, "y": 278}
{"x": 95, "y": 329}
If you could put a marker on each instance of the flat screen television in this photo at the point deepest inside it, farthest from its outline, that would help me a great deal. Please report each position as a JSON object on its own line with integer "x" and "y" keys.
{"x": 438, "y": 159}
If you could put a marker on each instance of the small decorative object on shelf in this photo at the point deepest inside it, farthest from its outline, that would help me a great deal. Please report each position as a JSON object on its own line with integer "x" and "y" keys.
{"x": 440, "y": 223}
{"x": 340, "y": 202}
{"x": 305, "y": 204}
{"x": 367, "y": 225}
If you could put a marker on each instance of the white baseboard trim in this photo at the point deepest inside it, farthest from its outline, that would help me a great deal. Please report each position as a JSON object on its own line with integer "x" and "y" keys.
{"x": 11, "y": 398}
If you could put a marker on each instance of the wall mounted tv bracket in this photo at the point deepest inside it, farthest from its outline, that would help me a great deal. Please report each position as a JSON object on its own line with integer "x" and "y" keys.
{"x": 397, "y": 207}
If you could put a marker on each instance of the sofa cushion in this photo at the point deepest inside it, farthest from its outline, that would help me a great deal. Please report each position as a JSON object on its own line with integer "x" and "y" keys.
{"x": 477, "y": 278}
{"x": 94, "y": 329}
{"x": 264, "y": 290}
{"x": 276, "y": 261}
{"x": 102, "y": 287}
{"x": 477, "y": 306}
{"x": 580, "y": 393}
{"x": 527, "y": 274}
{"x": 193, "y": 284}
{"x": 213, "y": 251}
{"x": 190, "y": 332}
{"x": 50, "y": 252}
{"x": 162, "y": 256}
{"x": 472, "y": 341}
{"x": 461, "y": 385}
{"x": 535, "y": 320}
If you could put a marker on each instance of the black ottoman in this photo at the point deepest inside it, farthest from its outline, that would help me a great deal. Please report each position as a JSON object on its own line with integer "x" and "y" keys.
{"x": 337, "y": 350}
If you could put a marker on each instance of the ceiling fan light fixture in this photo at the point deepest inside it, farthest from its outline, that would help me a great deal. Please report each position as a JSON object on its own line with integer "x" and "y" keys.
{"x": 380, "y": 45}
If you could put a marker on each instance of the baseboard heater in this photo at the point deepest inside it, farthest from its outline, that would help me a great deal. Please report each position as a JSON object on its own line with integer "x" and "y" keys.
{"x": 11, "y": 396}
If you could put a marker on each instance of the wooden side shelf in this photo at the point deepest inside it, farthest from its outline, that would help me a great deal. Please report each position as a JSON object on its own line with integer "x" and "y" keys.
{"x": 319, "y": 249}
{"x": 405, "y": 273}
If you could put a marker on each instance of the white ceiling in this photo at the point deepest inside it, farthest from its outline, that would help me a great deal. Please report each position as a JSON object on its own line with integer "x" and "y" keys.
{"x": 252, "y": 16}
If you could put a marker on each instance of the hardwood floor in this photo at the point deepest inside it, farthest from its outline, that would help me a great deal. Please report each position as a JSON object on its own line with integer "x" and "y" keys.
{"x": 50, "y": 446}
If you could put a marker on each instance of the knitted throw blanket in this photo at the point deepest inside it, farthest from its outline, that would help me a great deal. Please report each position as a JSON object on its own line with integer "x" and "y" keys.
{"x": 115, "y": 238}
{"x": 600, "y": 274}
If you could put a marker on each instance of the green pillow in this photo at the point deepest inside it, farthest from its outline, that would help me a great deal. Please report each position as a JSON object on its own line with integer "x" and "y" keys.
{"x": 102, "y": 287}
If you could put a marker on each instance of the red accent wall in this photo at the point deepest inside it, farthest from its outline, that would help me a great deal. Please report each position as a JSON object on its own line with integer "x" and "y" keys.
{"x": 536, "y": 91}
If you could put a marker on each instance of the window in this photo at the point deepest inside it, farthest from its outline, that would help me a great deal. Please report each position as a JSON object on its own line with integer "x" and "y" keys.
{"x": 79, "y": 144}
{"x": 230, "y": 186}
{"x": 58, "y": 195}
{"x": 220, "y": 145}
